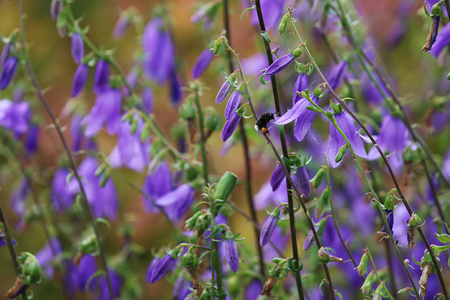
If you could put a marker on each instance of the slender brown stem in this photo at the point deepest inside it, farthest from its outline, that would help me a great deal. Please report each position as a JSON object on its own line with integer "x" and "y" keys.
{"x": 44, "y": 102}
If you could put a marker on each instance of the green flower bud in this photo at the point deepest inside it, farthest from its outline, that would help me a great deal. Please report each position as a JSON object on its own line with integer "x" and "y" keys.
{"x": 283, "y": 23}
{"x": 225, "y": 186}
{"x": 436, "y": 10}
{"x": 389, "y": 202}
{"x": 213, "y": 121}
{"x": 367, "y": 285}
{"x": 362, "y": 267}
{"x": 297, "y": 52}
{"x": 189, "y": 260}
{"x": 187, "y": 110}
{"x": 341, "y": 153}
{"x": 404, "y": 291}
{"x": 317, "y": 179}
{"x": 29, "y": 268}
{"x": 448, "y": 76}
{"x": 323, "y": 204}
{"x": 203, "y": 221}
{"x": 217, "y": 44}
{"x": 323, "y": 256}
{"x": 415, "y": 220}
{"x": 88, "y": 245}
{"x": 190, "y": 223}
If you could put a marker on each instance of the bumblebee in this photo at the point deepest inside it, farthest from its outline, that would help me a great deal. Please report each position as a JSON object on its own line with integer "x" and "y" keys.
{"x": 263, "y": 121}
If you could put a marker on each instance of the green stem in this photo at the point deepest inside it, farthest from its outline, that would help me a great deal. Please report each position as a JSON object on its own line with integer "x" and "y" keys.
{"x": 202, "y": 136}
{"x": 376, "y": 273}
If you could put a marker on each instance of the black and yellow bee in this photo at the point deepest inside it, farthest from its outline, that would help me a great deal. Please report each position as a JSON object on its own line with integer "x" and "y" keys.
{"x": 263, "y": 121}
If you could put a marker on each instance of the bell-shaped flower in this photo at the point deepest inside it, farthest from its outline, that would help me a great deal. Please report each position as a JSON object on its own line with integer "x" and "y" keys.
{"x": 233, "y": 104}
{"x": 280, "y": 64}
{"x": 101, "y": 76}
{"x": 15, "y": 116}
{"x": 177, "y": 202}
{"x": 103, "y": 200}
{"x": 301, "y": 180}
{"x": 175, "y": 89}
{"x": 277, "y": 177}
{"x": 116, "y": 285}
{"x": 230, "y": 126}
{"x": 106, "y": 110}
{"x": 83, "y": 273}
{"x": 303, "y": 117}
{"x": 231, "y": 254}
{"x": 181, "y": 289}
{"x": 156, "y": 185}
{"x": 300, "y": 85}
{"x": 32, "y": 139}
{"x": 63, "y": 193}
{"x": 80, "y": 79}
{"x": 279, "y": 241}
{"x": 271, "y": 11}
{"x": 442, "y": 40}
{"x": 9, "y": 69}
{"x": 77, "y": 47}
{"x": 159, "y": 269}
{"x": 47, "y": 255}
{"x": 253, "y": 289}
{"x": 130, "y": 151}
{"x": 394, "y": 138}
{"x": 76, "y": 132}
{"x": 6, "y": 51}
{"x": 202, "y": 62}
{"x": 338, "y": 74}
{"x": 345, "y": 122}
{"x": 269, "y": 226}
{"x": 225, "y": 89}
{"x": 159, "y": 52}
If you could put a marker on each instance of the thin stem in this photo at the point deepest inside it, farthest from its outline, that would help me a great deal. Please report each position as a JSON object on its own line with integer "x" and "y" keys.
{"x": 376, "y": 272}
{"x": 245, "y": 147}
{"x": 391, "y": 172}
{"x": 202, "y": 137}
{"x": 12, "y": 251}
{"x": 44, "y": 102}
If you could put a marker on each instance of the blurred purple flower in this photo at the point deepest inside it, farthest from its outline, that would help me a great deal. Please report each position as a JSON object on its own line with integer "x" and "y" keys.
{"x": 63, "y": 193}
{"x": 116, "y": 285}
{"x": 160, "y": 268}
{"x": 19, "y": 197}
{"x": 345, "y": 122}
{"x": 101, "y": 76}
{"x": 9, "y": 69}
{"x": 271, "y": 11}
{"x": 268, "y": 228}
{"x": 156, "y": 185}
{"x": 231, "y": 254}
{"x": 76, "y": 132}
{"x": 266, "y": 196}
{"x": 253, "y": 290}
{"x": 106, "y": 110}
{"x": 103, "y": 200}
{"x": 177, "y": 202}
{"x": 6, "y": 51}
{"x": 225, "y": 89}
{"x": 202, "y": 63}
{"x": 280, "y": 64}
{"x": 301, "y": 180}
{"x": 338, "y": 74}
{"x": 47, "y": 255}
{"x": 130, "y": 151}
{"x": 32, "y": 138}
{"x": 77, "y": 47}
{"x": 147, "y": 99}
{"x": 80, "y": 79}
{"x": 181, "y": 289}
{"x": 175, "y": 89}
{"x": 55, "y": 8}
{"x": 303, "y": 117}
{"x": 446, "y": 165}
{"x": 442, "y": 40}
{"x": 394, "y": 138}
{"x": 279, "y": 240}
{"x": 86, "y": 268}
{"x": 277, "y": 177}
{"x": 159, "y": 59}
{"x": 121, "y": 26}
{"x": 230, "y": 126}
{"x": 15, "y": 116}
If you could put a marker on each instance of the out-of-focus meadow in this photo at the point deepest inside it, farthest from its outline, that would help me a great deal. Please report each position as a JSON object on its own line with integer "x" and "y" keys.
{"x": 414, "y": 74}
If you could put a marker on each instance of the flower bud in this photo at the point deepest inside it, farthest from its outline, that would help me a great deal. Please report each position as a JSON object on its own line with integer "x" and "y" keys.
{"x": 203, "y": 221}
{"x": 317, "y": 179}
{"x": 80, "y": 79}
{"x": 323, "y": 256}
{"x": 217, "y": 44}
{"x": 158, "y": 270}
{"x": 341, "y": 153}
{"x": 283, "y": 23}
{"x": 9, "y": 69}
{"x": 189, "y": 260}
{"x": 367, "y": 285}
{"x": 303, "y": 181}
{"x": 404, "y": 291}
{"x": 323, "y": 204}
{"x": 297, "y": 52}
{"x": 225, "y": 89}
{"x": 225, "y": 186}
{"x": 362, "y": 267}
{"x": 88, "y": 245}
{"x": 77, "y": 47}
{"x": 231, "y": 254}
{"x": 318, "y": 92}
{"x": 187, "y": 110}
{"x": 190, "y": 223}
{"x": 213, "y": 122}
{"x": 436, "y": 10}
{"x": 269, "y": 227}
{"x": 29, "y": 268}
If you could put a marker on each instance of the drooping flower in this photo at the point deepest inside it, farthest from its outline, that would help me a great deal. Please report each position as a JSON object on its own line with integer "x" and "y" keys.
{"x": 232, "y": 104}
{"x": 393, "y": 137}
{"x": 76, "y": 132}
{"x": 225, "y": 89}
{"x": 303, "y": 117}
{"x": 116, "y": 285}
{"x": 160, "y": 268}
{"x": 103, "y": 200}
{"x": 130, "y": 151}
{"x": 345, "y": 122}
{"x": 77, "y": 47}
{"x": 147, "y": 99}
{"x": 301, "y": 179}
{"x": 9, "y": 69}
{"x": 106, "y": 110}
{"x": 121, "y": 26}
{"x": 101, "y": 76}
{"x": 159, "y": 59}
{"x": 47, "y": 254}
{"x": 32, "y": 138}
{"x": 86, "y": 268}
{"x": 156, "y": 185}
{"x": 55, "y": 8}
{"x": 231, "y": 254}
{"x": 277, "y": 177}
{"x": 338, "y": 74}
{"x": 268, "y": 228}
{"x": 63, "y": 193}
{"x": 280, "y": 64}
{"x": 15, "y": 116}
{"x": 230, "y": 126}
{"x": 202, "y": 63}
{"x": 442, "y": 40}
{"x": 181, "y": 289}
{"x": 253, "y": 290}
{"x": 80, "y": 79}
{"x": 177, "y": 202}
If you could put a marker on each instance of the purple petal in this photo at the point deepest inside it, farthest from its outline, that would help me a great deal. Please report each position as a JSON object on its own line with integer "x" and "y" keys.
{"x": 300, "y": 85}
{"x": 230, "y": 126}
{"x": 233, "y": 104}
{"x": 231, "y": 254}
{"x": 337, "y": 75}
{"x": 267, "y": 230}
{"x": 9, "y": 69}
{"x": 223, "y": 92}
{"x": 293, "y": 113}
{"x": 442, "y": 40}
{"x": 80, "y": 79}
{"x": 77, "y": 47}
{"x": 180, "y": 193}
{"x": 162, "y": 267}
{"x": 347, "y": 125}
{"x": 280, "y": 64}
{"x": 101, "y": 76}
{"x": 277, "y": 177}
{"x": 202, "y": 63}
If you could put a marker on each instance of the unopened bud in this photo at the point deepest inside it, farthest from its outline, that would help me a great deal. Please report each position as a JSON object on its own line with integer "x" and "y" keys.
{"x": 323, "y": 256}
{"x": 225, "y": 186}
{"x": 29, "y": 268}
{"x": 341, "y": 153}
{"x": 362, "y": 267}
{"x": 217, "y": 44}
{"x": 203, "y": 221}
{"x": 317, "y": 179}
{"x": 88, "y": 245}
{"x": 187, "y": 110}
{"x": 367, "y": 285}
{"x": 283, "y": 23}
{"x": 297, "y": 52}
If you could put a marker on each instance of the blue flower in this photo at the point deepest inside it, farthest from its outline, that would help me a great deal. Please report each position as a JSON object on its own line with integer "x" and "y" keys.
{"x": 269, "y": 226}
{"x": 160, "y": 268}
{"x": 80, "y": 79}
{"x": 280, "y": 64}
{"x": 9, "y": 69}
{"x": 300, "y": 85}
{"x": 63, "y": 194}
{"x": 101, "y": 76}
{"x": 15, "y": 116}
{"x": 157, "y": 185}
{"x": 177, "y": 202}
{"x": 230, "y": 126}
{"x": 77, "y": 47}
{"x": 202, "y": 62}
{"x": 271, "y": 11}
{"x": 231, "y": 254}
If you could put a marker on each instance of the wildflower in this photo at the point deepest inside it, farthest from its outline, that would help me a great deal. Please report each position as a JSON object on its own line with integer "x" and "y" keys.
{"x": 175, "y": 89}
{"x": 202, "y": 63}
{"x": 157, "y": 184}
{"x": 19, "y": 197}
{"x": 55, "y": 8}
{"x": 390, "y": 221}
{"x": 6, "y": 51}
{"x": 302, "y": 181}
{"x": 47, "y": 254}
{"x": 63, "y": 194}
{"x": 101, "y": 76}
{"x": 338, "y": 74}
{"x": 346, "y": 124}
{"x": 231, "y": 254}
{"x": 442, "y": 40}
{"x": 31, "y": 141}
{"x": 253, "y": 289}
{"x": 80, "y": 79}
{"x": 76, "y": 132}
{"x": 9, "y": 69}
{"x": 277, "y": 177}
{"x": 121, "y": 26}
{"x": 225, "y": 89}
{"x": 230, "y": 126}
{"x": 269, "y": 227}
{"x": 271, "y": 11}
{"x": 177, "y": 202}
{"x": 161, "y": 268}
{"x": 303, "y": 117}
{"x": 280, "y": 64}
{"x": 267, "y": 196}
{"x": 106, "y": 110}
{"x": 181, "y": 289}
{"x": 116, "y": 285}
{"x": 77, "y": 47}
{"x": 147, "y": 99}
{"x": 15, "y": 116}
{"x": 299, "y": 86}
{"x": 233, "y": 104}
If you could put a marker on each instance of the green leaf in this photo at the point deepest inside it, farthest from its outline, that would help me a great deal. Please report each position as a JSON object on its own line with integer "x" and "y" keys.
{"x": 266, "y": 37}
{"x": 247, "y": 9}
{"x": 103, "y": 221}
{"x": 443, "y": 238}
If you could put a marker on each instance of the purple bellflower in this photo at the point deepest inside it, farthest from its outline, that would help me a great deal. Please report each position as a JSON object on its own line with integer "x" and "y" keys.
{"x": 159, "y": 51}
{"x": 86, "y": 268}
{"x": 300, "y": 85}
{"x": 116, "y": 285}
{"x": 279, "y": 239}
{"x": 272, "y": 11}
{"x": 253, "y": 289}
{"x": 55, "y": 8}
{"x": 77, "y": 47}
{"x": 121, "y": 26}
{"x": 147, "y": 99}
{"x": 231, "y": 254}
{"x": 175, "y": 89}
{"x": 76, "y": 132}
{"x": 394, "y": 138}
{"x": 80, "y": 79}
{"x": 106, "y": 110}
{"x": 177, "y": 202}
{"x": 345, "y": 122}
{"x": 280, "y": 64}
{"x": 267, "y": 197}
{"x": 303, "y": 117}
{"x": 130, "y": 151}
{"x": 32, "y": 139}
{"x": 160, "y": 268}
{"x": 6, "y": 51}
{"x": 230, "y": 126}
{"x": 15, "y": 116}
{"x": 233, "y": 104}
{"x": 338, "y": 74}
{"x": 225, "y": 89}
{"x": 301, "y": 179}
{"x": 47, "y": 254}
{"x": 277, "y": 177}
{"x": 9, "y": 69}
{"x": 63, "y": 194}
{"x": 269, "y": 226}
{"x": 442, "y": 40}
{"x": 103, "y": 200}
{"x": 101, "y": 76}
{"x": 181, "y": 289}
{"x": 156, "y": 185}
{"x": 202, "y": 63}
